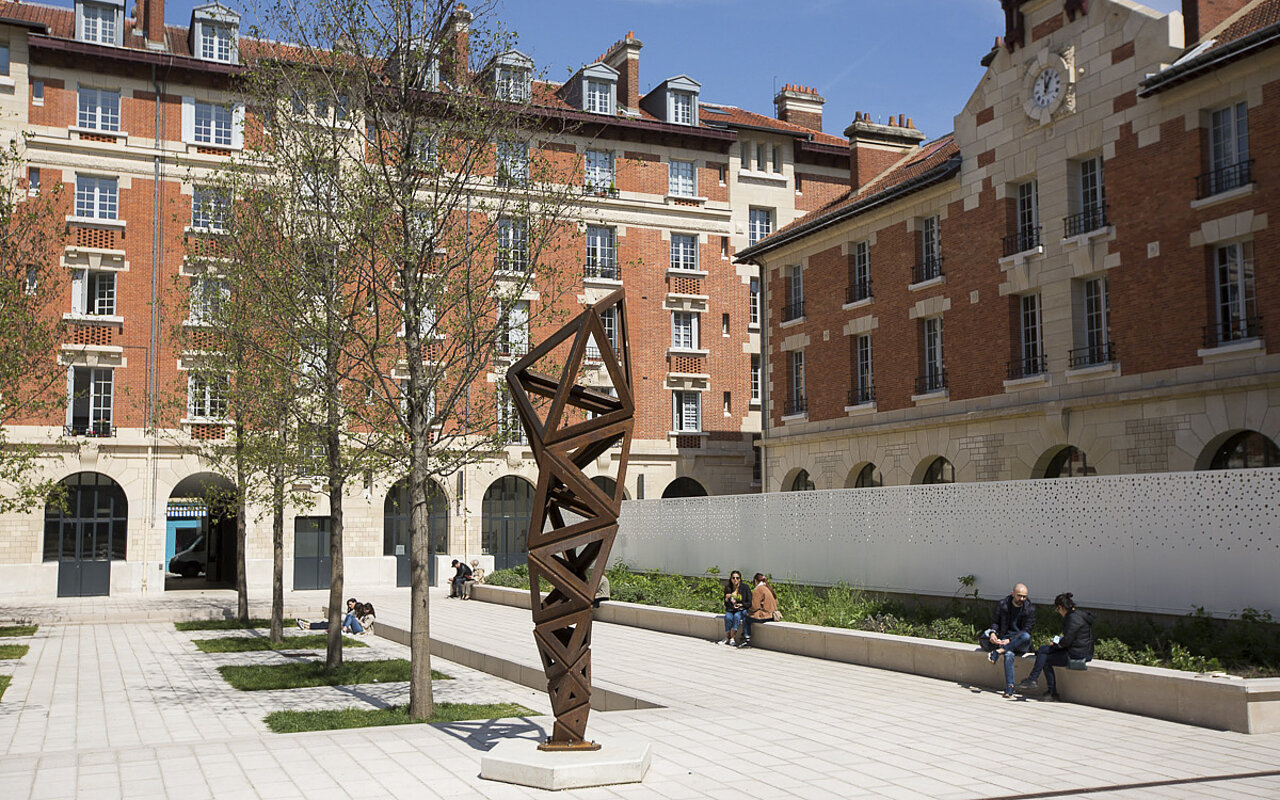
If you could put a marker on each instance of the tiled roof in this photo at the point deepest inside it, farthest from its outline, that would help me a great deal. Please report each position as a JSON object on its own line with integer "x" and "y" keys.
{"x": 61, "y": 23}
{"x": 1263, "y": 14}
{"x": 1256, "y": 28}
{"x": 737, "y": 116}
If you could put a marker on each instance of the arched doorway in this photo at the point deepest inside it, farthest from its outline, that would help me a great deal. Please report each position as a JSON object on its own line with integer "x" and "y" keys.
{"x": 865, "y": 476}
{"x": 684, "y": 487}
{"x": 1245, "y": 450}
{"x": 939, "y": 470}
{"x": 801, "y": 482}
{"x": 505, "y": 512}
{"x": 201, "y": 544}
{"x": 609, "y": 485}
{"x": 1068, "y": 462}
{"x": 395, "y": 529}
{"x": 85, "y": 529}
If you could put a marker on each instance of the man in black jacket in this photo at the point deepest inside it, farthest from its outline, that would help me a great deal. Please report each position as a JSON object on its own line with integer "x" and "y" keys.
{"x": 462, "y": 572}
{"x": 1010, "y": 631}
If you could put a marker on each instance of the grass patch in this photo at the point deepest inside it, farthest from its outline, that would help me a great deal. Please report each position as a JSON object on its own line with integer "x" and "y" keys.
{"x": 228, "y": 624}
{"x": 1246, "y": 645}
{"x": 336, "y": 719}
{"x": 258, "y": 677}
{"x": 18, "y": 630}
{"x": 13, "y": 650}
{"x": 245, "y": 644}
{"x": 4, "y": 684}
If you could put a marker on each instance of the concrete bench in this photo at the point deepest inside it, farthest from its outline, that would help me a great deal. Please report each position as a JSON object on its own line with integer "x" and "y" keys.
{"x": 1209, "y": 701}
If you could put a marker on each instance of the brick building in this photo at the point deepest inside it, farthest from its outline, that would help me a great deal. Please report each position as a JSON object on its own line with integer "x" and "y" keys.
{"x": 123, "y": 111}
{"x": 1074, "y": 282}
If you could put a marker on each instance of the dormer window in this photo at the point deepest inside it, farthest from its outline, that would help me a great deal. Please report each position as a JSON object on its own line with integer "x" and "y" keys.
{"x": 595, "y": 89}
{"x": 598, "y": 96}
{"x": 215, "y": 43}
{"x": 512, "y": 75}
{"x": 674, "y": 101}
{"x": 215, "y": 33}
{"x": 100, "y": 22}
{"x": 682, "y": 108}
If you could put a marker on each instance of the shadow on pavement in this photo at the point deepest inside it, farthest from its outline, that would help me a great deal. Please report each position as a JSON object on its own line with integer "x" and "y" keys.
{"x": 484, "y": 734}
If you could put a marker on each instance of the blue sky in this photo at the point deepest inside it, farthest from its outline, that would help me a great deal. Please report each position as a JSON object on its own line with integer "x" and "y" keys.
{"x": 885, "y": 57}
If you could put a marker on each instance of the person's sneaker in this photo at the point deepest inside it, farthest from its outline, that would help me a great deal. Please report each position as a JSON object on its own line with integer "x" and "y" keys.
{"x": 1008, "y": 690}
{"x": 993, "y": 656}
{"x": 1028, "y": 686}
{"x": 302, "y": 625}
{"x": 745, "y": 643}
{"x": 1053, "y": 697}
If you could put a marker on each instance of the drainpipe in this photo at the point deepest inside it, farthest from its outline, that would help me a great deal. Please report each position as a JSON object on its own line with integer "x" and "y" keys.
{"x": 153, "y": 363}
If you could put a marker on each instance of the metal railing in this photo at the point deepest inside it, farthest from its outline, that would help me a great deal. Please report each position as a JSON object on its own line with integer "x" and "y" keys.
{"x": 795, "y": 405}
{"x": 1224, "y": 179}
{"x": 97, "y": 428}
{"x": 509, "y": 349}
{"x": 860, "y": 395}
{"x": 511, "y": 262}
{"x": 603, "y": 271}
{"x": 927, "y": 270}
{"x": 1025, "y": 367}
{"x": 793, "y": 311}
{"x": 858, "y": 290}
{"x": 1092, "y": 356}
{"x": 1238, "y": 329}
{"x": 935, "y": 381}
{"x": 1091, "y": 219}
{"x": 1023, "y": 240}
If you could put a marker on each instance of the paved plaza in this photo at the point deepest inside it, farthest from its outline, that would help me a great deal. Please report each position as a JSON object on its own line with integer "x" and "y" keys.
{"x": 112, "y": 701}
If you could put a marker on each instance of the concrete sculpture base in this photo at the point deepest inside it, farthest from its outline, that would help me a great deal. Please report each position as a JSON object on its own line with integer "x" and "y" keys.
{"x": 520, "y": 761}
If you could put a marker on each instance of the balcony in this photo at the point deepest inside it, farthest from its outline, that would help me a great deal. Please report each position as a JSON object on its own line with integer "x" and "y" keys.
{"x": 510, "y": 349}
{"x": 857, "y": 291}
{"x": 793, "y": 311}
{"x": 1239, "y": 329}
{"x": 1087, "y": 221}
{"x": 511, "y": 263}
{"x": 932, "y": 381}
{"x": 927, "y": 270}
{"x": 608, "y": 272}
{"x": 1224, "y": 179}
{"x": 861, "y": 395}
{"x": 795, "y": 406}
{"x": 1025, "y": 368}
{"x": 1022, "y": 241}
{"x": 1093, "y": 356}
{"x": 97, "y": 429}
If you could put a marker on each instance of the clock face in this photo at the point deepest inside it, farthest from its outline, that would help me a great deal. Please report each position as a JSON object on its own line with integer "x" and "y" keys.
{"x": 1048, "y": 85}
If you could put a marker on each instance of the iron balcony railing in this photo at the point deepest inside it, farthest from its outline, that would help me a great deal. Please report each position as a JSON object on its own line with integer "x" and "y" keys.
{"x": 511, "y": 262}
{"x": 1224, "y": 179}
{"x": 97, "y": 428}
{"x": 793, "y": 311}
{"x": 509, "y": 349}
{"x": 796, "y": 405}
{"x": 1023, "y": 240}
{"x": 1025, "y": 367}
{"x": 932, "y": 381}
{"x": 1087, "y": 221}
{"x": 858, "y": 290}
{"x": 860, "y": 395}
{"x": 604, "y": 271}
{"x": 927, "y": 270}
{"x": 1238, "y": 329}
{"x": 1093, "y": 355}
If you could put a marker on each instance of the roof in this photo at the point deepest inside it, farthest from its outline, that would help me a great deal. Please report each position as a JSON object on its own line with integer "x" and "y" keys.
{"x": 1256, "y": 27}
{"x": 732, "y": 116}
{"x": 933, "y": 162}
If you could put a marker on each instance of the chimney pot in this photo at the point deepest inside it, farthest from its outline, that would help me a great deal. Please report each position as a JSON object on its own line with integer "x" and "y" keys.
{"x": 799, "y": 105}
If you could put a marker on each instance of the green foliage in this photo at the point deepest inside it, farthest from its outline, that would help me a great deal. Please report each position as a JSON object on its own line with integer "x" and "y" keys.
{"x": 226, "y": 624}
{"x": 258, "y": 677}
{"x": 336, "y": 719}
{"x": 4, "y": 684}
{"x": 245, "y": 644}
{"x": 13, "y": 650}
{"x": 18, "y": 630}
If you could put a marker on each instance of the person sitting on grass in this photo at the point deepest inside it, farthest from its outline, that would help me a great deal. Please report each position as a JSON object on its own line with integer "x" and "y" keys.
{"x": 737, "y": 602}
{"x": 1010, "y": 631}
{"x": 764, "y": 607}
{"x": 1072, "y": 649}
{"x": 350, "y": 621}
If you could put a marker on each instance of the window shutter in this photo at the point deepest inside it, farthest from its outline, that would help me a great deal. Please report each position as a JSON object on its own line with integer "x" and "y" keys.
{"x": 80, "y": 292}
{"x": 191, "y": 396}
{"x": 188, "y": 119}
{"x": 237, "y": 125}
{"x": 71, "y": 393}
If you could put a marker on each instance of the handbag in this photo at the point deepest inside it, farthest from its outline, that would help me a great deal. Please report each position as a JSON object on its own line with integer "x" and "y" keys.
{"x": 1077, "y": 663}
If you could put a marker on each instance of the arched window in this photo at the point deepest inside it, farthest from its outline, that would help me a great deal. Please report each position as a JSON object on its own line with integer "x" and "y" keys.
{"x": 684, "y": 487}
{"x": 868, "y": 477}
{"x": 1070, "y": 462}
{"x": 395, "y": 528}
{"x": 1246, "y": 450}
{"x": 940, "y": 471}
{"x": 801, "y": 483}
{"x": 85, "y": 529}
{"x": 505, "y": 512}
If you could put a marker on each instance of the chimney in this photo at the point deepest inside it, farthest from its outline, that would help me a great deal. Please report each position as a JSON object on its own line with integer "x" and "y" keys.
{"x": 148, "y": 18}
{"x": 454, "y": 67}
{"x": 873, "y": 147}
{"x": 800, "y": 105}
{"x": 1201, "y": 16}
{"x": 624, "y": 56}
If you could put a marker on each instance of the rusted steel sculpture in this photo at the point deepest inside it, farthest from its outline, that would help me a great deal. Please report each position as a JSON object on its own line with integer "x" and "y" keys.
{"x": 572, "y": 556}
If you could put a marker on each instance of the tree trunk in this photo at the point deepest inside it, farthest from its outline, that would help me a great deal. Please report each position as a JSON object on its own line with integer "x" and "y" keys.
{"x": 277, "y": 555}
{"x": 242, "y": 528}
{"x": 421, "y": 700}
{"x": 337, "y": 608}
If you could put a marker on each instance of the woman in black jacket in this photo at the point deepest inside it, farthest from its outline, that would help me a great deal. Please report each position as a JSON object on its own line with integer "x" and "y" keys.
{"x": 1075, "y": 644}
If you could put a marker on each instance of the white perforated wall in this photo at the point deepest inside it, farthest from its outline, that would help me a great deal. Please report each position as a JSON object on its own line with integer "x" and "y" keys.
{"x": 1163, "y": 543}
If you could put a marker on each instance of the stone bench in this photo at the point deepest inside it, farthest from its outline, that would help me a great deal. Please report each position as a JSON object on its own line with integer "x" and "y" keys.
{"x": 1219, "y": 702}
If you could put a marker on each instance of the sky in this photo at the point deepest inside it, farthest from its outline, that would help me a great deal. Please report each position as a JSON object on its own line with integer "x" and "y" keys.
{"x": 884, "y": 57}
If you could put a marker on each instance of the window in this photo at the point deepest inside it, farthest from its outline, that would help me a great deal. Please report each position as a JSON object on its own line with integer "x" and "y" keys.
{"x": 216, "y": 42}
{"x": 602, "y": 255}
{"x": 728, "y": 403}
{"x": 513, "y": 245}
{"x": 762, "y": 155}
{"x": 513, "y": 164}
{"x": 760, "y": 224}
{"x": 93, "y": 292}
{"x": 89, "y": 406}
{"x": 934, "y": 378}
{"x": 795, "y": 294}
{"x": 1097, "y": 325}
{"x": 33, "y": 180}
{"x": 1237, "y": 310}
{"x": 796, "y": 402}
{"x": 600, "y": 176}
{"x": 682, "y": 108}
{"x": 687, "y": 407}
{"x": 510, "y": 431}
{"x": 802, "y": 482}
{"x": 682, "y": 179}
{"x": 939, "y": 470}
{"x": 724, "y": 324}
{"x": 213, "y": 124}
{"x": 1246, "y": 450}
{"x": 511, "y": 84}
{"x": 684, "y": 330}
{"x": 209, "y": 209}
{"x": 608, "y": 321}
{"x": 863, "y": 388}
{"x": 755, "y": 377}
{"x": 96, "y": 198}
{"x": 860, "y": 280}
{"x": 32, "y": 283}
{"x": 930, "y": 249}
{"x": 777, "y": 159}
{"x": 753, "y": 303}
{"x": 97, "y": 23}
{"x": 206, "y": 397}
{"x": 206, "y": 298}
{"x": 37, "y": 93}
{"x": 4, "y": 59}
{"x": 513, "y": 338}
{"x": 1228, "y": 150}
{"x": 1091, "y": 198}
{"x": 1027, "y": 235}
{"x": 684, "y": 251}
{"x": 744, "y": 154}
{"x": 1031, "y": 344}
{"x": 99, "y": 109}
{"x": 598, "y": 97}
{"x": 422, "y": 149}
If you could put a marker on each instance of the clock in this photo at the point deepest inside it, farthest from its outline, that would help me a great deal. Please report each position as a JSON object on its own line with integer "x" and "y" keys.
{"x": 1047, "y": 88}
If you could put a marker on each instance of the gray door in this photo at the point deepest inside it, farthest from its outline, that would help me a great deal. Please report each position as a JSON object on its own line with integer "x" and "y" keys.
{"x": 504, "y": 527}
{"x": 85, "y": 529}
{"x": 395, "y": 523}
{"x": 311, "y": 562}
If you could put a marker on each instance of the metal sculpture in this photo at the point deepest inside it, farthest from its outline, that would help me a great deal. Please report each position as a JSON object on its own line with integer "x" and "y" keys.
{"x": 572, "y": 556}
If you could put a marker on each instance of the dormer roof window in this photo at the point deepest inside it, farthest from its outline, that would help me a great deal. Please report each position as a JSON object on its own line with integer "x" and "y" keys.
{"x": 675, "y": 100}
{"x": 600, "y": 89}
{"x": 512, "y": 75}
{"x": 215, "y": 33}
{"x": 100, "y": 22}
{"x": 415, "y": 63}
